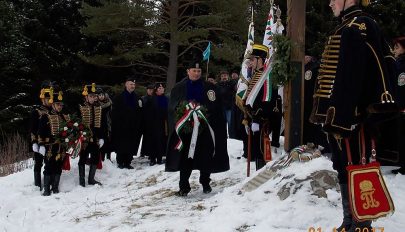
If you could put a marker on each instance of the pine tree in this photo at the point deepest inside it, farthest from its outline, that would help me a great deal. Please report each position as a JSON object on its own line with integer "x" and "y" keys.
{"x": 156, "y": 36}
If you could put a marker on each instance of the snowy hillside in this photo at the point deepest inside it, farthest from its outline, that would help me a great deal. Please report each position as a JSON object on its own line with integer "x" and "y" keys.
{"x": 143, "y": 200}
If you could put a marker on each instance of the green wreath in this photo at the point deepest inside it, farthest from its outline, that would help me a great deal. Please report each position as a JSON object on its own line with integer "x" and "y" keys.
{"x": 181, "y": 110}
{"x": 70, "y": 131}
{"x": 282, "y": 71}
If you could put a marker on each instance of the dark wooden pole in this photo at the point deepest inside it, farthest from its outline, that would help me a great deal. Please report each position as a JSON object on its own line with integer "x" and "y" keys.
{"x": 294, "y": 90}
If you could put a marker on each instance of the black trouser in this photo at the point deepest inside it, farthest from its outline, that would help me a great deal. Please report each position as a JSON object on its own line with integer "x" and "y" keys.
{"x": 185, "y": 173}
{"x": 94, "y": 151}
{"x": 156, "y": 157}
{"x": 401, "y": 140}
{"x": 53, "y": 165}
{"x": 256, "y": 148}
{"x": 339, "y": 153}
{"x": 38, "y": 162}
{"x": 53, "y": 160}
{"x": 124, "y": 158}
{"x": 275, "y": 127}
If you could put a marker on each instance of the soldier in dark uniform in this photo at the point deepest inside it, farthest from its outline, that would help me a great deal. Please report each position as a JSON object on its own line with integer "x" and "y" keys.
{"x": 92, "y": 116}
{"x": 263, "y": 115}
{"x": 399, "y": 51}
{"x": 126, "y": 124}
{"x": 349, "y": 81}
{"x": 50, "y": 147}
{"x": 36, "y": 114}
{"x": 207, "y": 157}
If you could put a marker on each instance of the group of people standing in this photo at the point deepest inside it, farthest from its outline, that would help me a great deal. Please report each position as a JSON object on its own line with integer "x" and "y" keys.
{"x": 190, "y": 126}
{"x": 114, "y": 125}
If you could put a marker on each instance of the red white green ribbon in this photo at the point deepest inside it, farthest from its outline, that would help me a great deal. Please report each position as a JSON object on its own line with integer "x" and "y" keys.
{"x": 193, "y": 111}
{"x": 75, "y": 150}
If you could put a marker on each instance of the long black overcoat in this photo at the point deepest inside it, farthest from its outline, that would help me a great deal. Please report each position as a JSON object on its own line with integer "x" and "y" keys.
{"x": 204, "y": 157}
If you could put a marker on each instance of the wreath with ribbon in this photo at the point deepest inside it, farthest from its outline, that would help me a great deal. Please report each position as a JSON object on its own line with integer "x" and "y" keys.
{"x": 72, "y": 134}
{"x": 303, "y": 153}
{"x": 189, "y": 117}
{"x": 184, "y": 114}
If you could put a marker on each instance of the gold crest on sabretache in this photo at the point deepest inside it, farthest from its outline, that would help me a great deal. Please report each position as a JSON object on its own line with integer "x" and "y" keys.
{"x": 211, "y": 95}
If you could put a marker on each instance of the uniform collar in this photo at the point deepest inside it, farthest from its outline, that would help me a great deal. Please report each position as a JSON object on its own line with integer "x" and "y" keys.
{"x": 350, "y": 13}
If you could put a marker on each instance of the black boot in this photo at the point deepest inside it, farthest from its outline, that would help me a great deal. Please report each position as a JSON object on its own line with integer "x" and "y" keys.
{"x": 81, "y": 176}
{"x": 360, "y": 226}
{"x": 260, "y": 163}
{"x": 207, "y": 188}
{"x": 37, "y": 180}
{"x": 55, "y": 185}
{"x": 183, "y": 192}
{"x": 205, "y": 182}
{"x": 400, "y": 170}
{"x": 47, "y": 185}
{"x": 347, "y": 213}
{"x": 92, "y": 173}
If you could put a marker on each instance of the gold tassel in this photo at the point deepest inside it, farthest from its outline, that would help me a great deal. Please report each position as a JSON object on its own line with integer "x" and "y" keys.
{"x": 60, "y": 98}
{"x": 85, "y": 93}
{"x": 365, "y": 3}
{"x": 93, "y": 87}
{"x": 42, "y": 95}
{"x": 51, "y": 95}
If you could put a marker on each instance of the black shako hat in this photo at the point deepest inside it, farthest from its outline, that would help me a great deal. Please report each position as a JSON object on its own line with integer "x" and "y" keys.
{"x": 131, "y": 79}
{"x": 195, "y": 63}
{"x": 260, "y": 50}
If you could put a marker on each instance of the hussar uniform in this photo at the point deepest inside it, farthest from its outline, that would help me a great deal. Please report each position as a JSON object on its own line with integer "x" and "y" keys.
{"x": 93, "y": 117}
{"x": 265, "y": 113}
{"x": 350, "y": 79}
{"x": 50, "y": 146}
{"x": 36, "y": 114}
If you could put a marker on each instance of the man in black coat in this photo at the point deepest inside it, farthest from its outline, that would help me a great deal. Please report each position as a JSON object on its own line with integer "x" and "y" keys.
{"x": 349, "y": 82}
{"x": 312, "y": 133}
{"x": 208, "y": 157}
{"x": 126, "y": 124}
{"x": 154, "y": 140}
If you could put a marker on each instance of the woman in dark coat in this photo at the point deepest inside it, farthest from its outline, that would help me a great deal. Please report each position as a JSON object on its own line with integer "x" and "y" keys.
{"x": 126, "y": 124}
{"x": 207, "y": 157}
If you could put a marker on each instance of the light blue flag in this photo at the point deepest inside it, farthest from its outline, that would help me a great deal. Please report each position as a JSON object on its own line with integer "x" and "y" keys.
{"x": 207, "y": 52}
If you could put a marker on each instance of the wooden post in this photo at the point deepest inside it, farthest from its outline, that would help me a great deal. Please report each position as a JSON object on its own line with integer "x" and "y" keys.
{"x": 294, "y": 91}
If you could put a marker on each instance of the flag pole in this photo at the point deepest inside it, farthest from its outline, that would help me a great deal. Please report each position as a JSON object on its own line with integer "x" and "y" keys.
{"x": 206, "y": 74}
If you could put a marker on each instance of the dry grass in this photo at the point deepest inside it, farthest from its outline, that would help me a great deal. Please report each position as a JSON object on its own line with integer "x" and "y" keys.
{"x": 14, "y": 154}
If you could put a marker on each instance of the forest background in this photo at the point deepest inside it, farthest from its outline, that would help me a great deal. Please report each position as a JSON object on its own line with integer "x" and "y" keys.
{"x": 105, "y": 41}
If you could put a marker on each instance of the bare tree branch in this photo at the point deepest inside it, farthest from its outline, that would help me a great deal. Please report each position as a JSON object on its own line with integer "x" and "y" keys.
{"x": 192, "y": 46}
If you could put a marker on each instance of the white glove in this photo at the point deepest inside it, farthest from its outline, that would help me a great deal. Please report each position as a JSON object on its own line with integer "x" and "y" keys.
{"x": 42, "y": 150}
{"x": 35, "y": 147}
{"x": 255, "y": 127}
{"x": 100, "y": 143}
{"x": 247, "y": 129}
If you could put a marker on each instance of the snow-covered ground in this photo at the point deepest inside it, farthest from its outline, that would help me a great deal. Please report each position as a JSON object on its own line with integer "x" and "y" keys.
{"x": 144, "y": 199}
